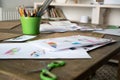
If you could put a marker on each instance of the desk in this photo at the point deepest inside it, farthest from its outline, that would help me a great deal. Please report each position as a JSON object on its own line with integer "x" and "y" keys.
{"x": 119, "y": 70}
{"x": 77, "y": 69}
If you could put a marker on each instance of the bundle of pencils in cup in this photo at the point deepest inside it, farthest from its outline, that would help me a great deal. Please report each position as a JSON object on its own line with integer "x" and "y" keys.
{"x": 35, "y": 13}
{"x": 27, "y": 13}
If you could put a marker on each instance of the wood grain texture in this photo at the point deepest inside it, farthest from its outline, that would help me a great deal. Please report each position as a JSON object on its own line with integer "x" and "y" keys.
{"x": 75, "y": 69}
{"x": 9, "y": 24}
{"x": 118, "y": 70}
{"x": 4, "y": 35}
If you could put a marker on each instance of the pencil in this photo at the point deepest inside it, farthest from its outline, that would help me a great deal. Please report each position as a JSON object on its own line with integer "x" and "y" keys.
{"x": 44, "y": 7}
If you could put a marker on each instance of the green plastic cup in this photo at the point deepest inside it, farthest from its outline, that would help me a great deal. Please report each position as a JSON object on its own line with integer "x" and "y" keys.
{"x": 30, "y": 25}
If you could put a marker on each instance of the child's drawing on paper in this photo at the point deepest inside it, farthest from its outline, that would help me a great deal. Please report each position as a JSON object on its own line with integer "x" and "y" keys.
{"x": 20, "y": 50}
{"x": 37, "y": 53}
{"x": 12, "y": 51}
{"x": 52, "y": 44}
{"x": 55, "y": 44}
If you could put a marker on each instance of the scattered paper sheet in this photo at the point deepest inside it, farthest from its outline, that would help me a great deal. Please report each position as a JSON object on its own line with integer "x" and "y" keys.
{"x": 110, "y": 31}
{"x": 21, "y": 38}
{"x": 58, "y": 26}
{"x": 47, "y": 28}
{"x": 89, "y": 48}
{"x": 29, "y": 51}
{"x": 55, "y": 44}
{"x": 60, "y": 23}
{"x": 88, "y": 28}
{"x": 70, "y": 47}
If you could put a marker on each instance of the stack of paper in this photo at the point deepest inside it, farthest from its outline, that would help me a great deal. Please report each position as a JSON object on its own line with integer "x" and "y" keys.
{"x": 88, "y": 28}
{"x": 70, "y": 47}
{"x": 30, "y": 51}
{"x": 58, "y": 26}
{"x": 110, "y": 31}
{"x": 61, "y": 43}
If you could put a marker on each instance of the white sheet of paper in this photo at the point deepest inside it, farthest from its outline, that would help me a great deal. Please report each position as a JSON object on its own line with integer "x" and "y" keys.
{"x": 65, "y": 24}
{"x": 54, "y": 44}
{"x": 53, "y": 48}
{"x": 16, "y": 50}
{"x": 60, "y": 23}
{"x": 89, "y": 48}
{"x": 78, "y": 53}
{"x": 29, "y": 51}
{"x": 58, "y": 26}
{"x": 21, "y": 38}
{"x": 47, "y": 28}
{"x": 110, "y": 31}
{"x": 88, "y": 28}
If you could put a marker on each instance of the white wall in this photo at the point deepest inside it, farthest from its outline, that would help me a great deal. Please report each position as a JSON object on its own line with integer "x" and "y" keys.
{"x": 74, "y": 13}
{"x": 0, "y": 3}
{"x": 114, "y": 17}
{"x": 111, "y": 1}
{"x": 16, "y": 3}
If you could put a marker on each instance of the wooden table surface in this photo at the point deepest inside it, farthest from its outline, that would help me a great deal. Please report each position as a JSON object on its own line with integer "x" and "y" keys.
{"x": 75, "y": 69}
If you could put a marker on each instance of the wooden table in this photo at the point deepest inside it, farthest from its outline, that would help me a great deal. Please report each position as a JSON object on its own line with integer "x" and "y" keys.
{"x": 76, "y": 69}
{"x": 118, "y": 71}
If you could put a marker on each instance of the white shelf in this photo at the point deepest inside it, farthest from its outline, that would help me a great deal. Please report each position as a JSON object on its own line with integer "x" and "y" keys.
{"x": 78, "y": 5}
{"x": 73, "y": 5}
{"x": 96, "y": 9}
{"x": 110, "y": 6}
{"x": 66, "y": 5}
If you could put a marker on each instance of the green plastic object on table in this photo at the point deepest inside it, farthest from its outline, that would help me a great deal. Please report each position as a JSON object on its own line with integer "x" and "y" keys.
{"x": 45, "y": 73}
